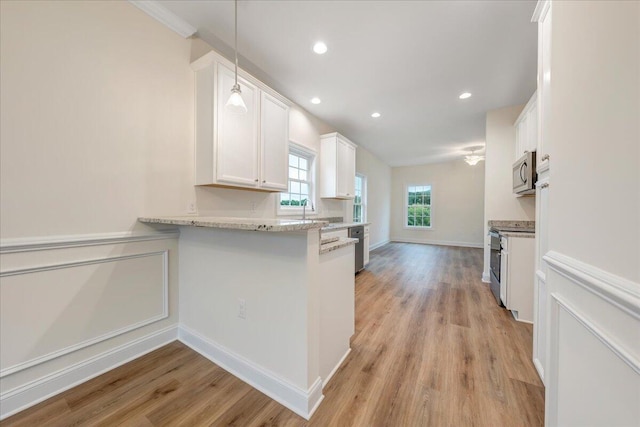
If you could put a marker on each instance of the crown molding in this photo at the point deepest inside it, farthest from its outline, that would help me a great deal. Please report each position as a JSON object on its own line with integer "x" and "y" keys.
{"x": 165, "y": 17}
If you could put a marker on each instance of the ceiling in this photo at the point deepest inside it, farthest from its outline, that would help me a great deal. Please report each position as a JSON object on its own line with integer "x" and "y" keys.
{"x": 408, "y": 60}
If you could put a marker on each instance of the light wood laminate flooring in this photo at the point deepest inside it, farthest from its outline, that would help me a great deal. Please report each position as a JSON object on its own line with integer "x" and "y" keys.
{"x": 431, "y": 348}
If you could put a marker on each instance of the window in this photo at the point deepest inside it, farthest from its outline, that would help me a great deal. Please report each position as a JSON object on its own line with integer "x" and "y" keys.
{"x": 301, "y": 182}
{"x": 418, "y": 206}
{"x": 359, "y": 201}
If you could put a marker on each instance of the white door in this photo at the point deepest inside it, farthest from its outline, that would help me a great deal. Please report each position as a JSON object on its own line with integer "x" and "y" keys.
{"x": 274, "y": 143}
{"x": 237, "y": 134}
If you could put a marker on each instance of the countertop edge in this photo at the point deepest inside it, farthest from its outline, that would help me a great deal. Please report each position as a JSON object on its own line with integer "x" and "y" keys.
{"x": 250, "y": 224}
{"x": 340, "y": 243}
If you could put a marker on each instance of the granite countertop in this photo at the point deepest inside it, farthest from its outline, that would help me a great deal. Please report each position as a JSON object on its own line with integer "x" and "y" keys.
{"x": 249, "y": 224}
{"x": 342, "y": 225}
{"x": 337, "y": 244}
{"x": 514, "y": 228}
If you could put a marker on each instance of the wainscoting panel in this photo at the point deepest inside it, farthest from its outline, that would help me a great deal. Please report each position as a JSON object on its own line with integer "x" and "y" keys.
{"x": 71, "y": 306}
{"x": 594, "y": 346}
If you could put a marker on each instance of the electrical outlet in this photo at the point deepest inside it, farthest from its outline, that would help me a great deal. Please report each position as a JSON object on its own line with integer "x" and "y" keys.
{"x": 253, "y": 206}
{"x": 242, "y": 308}
{"x": 191, "y": 207}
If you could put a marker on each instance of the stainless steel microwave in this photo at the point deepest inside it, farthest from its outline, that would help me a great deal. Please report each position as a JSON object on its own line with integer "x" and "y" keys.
{"x": 524, "y": 174}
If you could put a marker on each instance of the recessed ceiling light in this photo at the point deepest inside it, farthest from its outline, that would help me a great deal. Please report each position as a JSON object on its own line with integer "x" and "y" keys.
{"x": 375, "y": 115}
{"x": 320, "y": 48}
{"x": 315, "y": 100}
{"x": 465, "y": 95}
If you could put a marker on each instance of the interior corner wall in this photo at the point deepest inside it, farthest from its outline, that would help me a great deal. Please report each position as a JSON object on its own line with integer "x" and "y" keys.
{"x": 378, "y": 199}
{"x": 499, "y": 201}
{"x": 457, "y": 198}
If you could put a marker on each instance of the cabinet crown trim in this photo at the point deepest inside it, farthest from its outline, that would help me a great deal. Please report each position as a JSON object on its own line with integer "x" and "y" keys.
{"x": 213, "y": 57}
{"x": 340, "y": 137}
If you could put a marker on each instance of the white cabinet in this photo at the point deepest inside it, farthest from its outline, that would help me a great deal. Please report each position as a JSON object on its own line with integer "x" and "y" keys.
{"x": 274, "y": 129}
{"x": 541, "y": 293}
{"x": 239, "y": 150}
{"x": 366, "y": 245}
{"x": 527, "y": 129}
{"x": 516, "y": 276}
{"x": 337, "y": 167}
{"x": 237, "y": 134}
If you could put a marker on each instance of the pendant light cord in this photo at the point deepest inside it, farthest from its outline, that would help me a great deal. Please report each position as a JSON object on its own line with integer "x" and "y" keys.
{"x": 236, "y": 39}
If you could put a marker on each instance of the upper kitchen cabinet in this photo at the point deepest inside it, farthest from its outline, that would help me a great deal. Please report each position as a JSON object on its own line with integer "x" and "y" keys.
{"x": 239, "y": 150}
{"x": 527, "y": 129}
{"x": 338, "y": 167}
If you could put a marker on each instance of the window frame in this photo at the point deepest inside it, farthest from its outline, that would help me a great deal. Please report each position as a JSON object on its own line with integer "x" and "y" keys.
{"x": 363, "y": 200}
{"x": 311, "y": 156}
{"x": 406, "y": 208}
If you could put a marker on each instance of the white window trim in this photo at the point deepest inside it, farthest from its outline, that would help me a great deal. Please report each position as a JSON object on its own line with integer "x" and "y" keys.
{"x": 406, "y": 208}
{"x": 313, "y": 157}
{"x": 363, "y": 198}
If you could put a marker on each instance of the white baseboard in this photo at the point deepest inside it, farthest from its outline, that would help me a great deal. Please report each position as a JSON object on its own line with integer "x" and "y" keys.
{"x": 438, "y": 242}
{"x": 379, "y": 244}
{"x": 539, "y": 368}
{"x": 302, "y": 402}
{"x": 485, "y": 277}
{"x": 29, "y": 394}
{"x": 335, "y": 369}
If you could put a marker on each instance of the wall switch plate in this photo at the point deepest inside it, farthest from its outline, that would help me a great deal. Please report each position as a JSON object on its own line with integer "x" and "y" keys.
{"x": 191, "y": 207}
{"x": 242, "y": 308}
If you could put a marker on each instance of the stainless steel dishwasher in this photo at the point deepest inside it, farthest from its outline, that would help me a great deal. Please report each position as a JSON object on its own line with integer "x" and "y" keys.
{"x": 358, "y": 233}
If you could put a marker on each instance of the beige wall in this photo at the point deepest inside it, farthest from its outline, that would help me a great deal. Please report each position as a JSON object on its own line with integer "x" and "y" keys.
{"x": 594, "y": 197}
{"x": 97, "y": 113}
{"x": 457, "y": 203}
{"x": 378, "y": 195}
{"x": 499, "y": 201}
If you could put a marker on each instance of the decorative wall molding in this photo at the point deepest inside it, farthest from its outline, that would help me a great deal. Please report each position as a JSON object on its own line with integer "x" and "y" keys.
{"x": 379, "y": 244}
{"x": 165, "y": 17}
{"x": 78, "y": 346}
{"x": 439, "y": 242}
{"x": 28, "y": 244}
{"x": 602, "y": 336}
{"x": 621, "y": 292}
{"x": 302, "y": 402}
{"x": 29, "y": 394}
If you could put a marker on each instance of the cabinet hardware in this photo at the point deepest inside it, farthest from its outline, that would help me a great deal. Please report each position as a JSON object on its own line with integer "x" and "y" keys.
{"x": 264, "y": 181}
{"x": 544, "y": 185}
{"x": 545, "y": 157}
{"x": 256, "y": 180}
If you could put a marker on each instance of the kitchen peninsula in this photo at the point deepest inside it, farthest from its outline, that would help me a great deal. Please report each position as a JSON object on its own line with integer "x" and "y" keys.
{"x": 258, "y": 298}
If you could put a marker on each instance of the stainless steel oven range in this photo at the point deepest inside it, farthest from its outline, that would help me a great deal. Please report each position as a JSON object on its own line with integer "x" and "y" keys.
{"x": 494, "y": 264}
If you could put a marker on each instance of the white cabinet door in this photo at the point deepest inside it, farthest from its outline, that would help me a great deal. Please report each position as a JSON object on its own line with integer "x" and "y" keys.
{"x": 237, "y": 134}
{"x": 274, "y": 143}
{"x": 346, "y": 169}
{"x": 366, "y": 249}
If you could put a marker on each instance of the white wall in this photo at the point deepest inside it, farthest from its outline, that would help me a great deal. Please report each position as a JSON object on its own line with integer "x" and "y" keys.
{"x": 595, "y": 147}
{"x": 499, "y": 201}
{"x": 457, "y": 203}
{"x": 96, "y": 115}
{"x": 378, "y": 195}
{"x": 594, "y": 214}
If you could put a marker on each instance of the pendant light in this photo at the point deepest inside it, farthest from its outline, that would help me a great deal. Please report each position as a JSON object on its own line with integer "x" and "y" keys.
{"x": 473, "y": 159}
{"x": 235, "y": 104}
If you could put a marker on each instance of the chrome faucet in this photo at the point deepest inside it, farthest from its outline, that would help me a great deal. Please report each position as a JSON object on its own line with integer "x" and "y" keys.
{"x": 304, "y": 209}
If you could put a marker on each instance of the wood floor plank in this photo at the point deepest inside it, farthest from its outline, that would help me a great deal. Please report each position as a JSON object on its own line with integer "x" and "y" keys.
{"x": 431, "y": 348}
